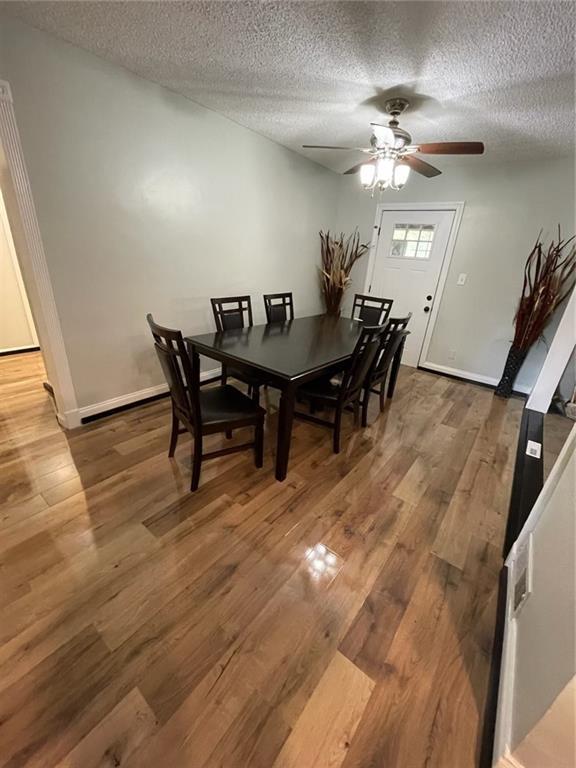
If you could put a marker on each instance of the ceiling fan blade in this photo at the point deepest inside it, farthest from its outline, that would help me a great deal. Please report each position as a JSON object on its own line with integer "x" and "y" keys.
{"x": 452, "y": 148}
{"x": 357, "y": 167}
{"x": 348, "y": 149}
{"x": 425, "y": 169}
{"x": 384, "y": 134}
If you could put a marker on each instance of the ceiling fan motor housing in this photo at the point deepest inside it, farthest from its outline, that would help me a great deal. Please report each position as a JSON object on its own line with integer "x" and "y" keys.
{"x": 396, "y": 106}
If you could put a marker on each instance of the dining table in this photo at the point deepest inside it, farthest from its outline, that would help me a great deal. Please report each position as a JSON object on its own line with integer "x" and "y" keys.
{"x": 284, "y": 355}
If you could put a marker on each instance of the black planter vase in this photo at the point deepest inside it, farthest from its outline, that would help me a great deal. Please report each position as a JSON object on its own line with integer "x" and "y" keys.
{"x": 513, "y": 364}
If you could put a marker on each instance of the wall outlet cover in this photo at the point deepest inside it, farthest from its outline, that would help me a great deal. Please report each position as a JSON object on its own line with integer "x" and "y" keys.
{"x": 461, "y": 278}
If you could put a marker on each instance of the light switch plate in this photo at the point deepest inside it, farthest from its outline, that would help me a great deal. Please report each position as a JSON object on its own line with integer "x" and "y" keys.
{"x": 523, "y": 575}
{"x": 461, "y": 278}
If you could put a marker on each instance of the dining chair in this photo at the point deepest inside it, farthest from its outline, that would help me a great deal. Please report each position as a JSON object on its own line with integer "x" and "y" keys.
{"x": 234, "y": 313}
{"x": 203, "y": 411}
{"x": 279, "y": 307}
{"x": 388, "y": 358}
{"x": 348, "y": 391}
{"x": 370, "y": 309}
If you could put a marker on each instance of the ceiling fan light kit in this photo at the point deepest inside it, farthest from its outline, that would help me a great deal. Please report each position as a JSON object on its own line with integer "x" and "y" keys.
{"x": 392, "y": 154}
{"x": 386, "y": 173}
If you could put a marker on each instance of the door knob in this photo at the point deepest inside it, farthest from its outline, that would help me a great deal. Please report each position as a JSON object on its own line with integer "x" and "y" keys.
{"x": 426, "y": 309}
{"x": 429, "y": 298}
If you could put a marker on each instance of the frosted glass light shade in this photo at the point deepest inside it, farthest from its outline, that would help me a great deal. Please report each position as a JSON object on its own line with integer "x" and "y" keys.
{"x": 367, "y": 174}
{"x": 401, "y": 173}
{"x": 385, "y": 170}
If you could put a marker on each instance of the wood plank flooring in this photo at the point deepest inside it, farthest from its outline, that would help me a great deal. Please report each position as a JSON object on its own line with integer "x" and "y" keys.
{"x": 341, "y": 619}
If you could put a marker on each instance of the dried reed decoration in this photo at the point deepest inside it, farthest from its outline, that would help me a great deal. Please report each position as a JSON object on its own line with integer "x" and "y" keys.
{"x": 549, "y": 277}
{"x": 338, "y": 257}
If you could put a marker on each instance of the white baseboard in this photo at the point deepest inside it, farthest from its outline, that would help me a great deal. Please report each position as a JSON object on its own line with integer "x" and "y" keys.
{"x": 460, "y": 374}
{"x": 118, "y": 402}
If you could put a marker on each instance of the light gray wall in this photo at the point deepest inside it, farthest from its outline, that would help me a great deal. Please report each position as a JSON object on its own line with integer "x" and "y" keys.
{"x": 506, "y": 205}
{"x": 148, "y": 202}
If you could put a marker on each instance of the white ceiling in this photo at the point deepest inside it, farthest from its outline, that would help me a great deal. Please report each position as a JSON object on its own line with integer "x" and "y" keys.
{"x": 318, "y": 72}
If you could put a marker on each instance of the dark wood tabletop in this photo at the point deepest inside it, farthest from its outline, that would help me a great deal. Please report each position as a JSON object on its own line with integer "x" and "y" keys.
{"x": 288, "y": 354}
{"x": 296, "y": 349}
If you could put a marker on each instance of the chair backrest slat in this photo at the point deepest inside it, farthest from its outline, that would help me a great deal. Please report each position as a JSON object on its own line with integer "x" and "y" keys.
{"x": 395, "y": 334}
{"x": 182, "y": 374}
{"x": 279, "y": 307}
{"x": 361, "y": 362}
{"x": 232, "y": 312}
{"x": 371, "y": 309}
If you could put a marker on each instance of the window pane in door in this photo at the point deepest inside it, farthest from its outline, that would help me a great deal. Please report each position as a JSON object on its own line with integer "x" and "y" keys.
{"x": 411, "y": 241}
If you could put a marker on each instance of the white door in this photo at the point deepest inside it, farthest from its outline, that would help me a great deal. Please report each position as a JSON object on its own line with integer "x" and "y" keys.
{"x": 409, "y": 254}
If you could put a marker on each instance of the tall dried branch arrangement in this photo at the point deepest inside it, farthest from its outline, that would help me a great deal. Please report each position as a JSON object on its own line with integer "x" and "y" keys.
{"x": 549, "y": 277}
{"x": 338, "y": 257}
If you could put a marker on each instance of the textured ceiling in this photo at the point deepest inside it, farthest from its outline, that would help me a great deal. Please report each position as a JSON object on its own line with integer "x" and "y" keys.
{"x": 315, "y": 72}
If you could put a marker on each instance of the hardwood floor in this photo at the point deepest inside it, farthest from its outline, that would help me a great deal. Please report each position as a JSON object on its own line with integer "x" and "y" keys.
{"x": 342, "y": 618}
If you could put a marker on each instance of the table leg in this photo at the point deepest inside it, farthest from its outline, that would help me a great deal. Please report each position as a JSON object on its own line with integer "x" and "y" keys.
{"x": 285, "y": 419}
{"x": 395, "y": 367}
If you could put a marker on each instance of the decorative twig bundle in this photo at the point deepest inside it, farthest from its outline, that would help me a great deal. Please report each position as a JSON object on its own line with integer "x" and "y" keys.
{"x": 338, "y": 257}
{"x": 549, "y": 277}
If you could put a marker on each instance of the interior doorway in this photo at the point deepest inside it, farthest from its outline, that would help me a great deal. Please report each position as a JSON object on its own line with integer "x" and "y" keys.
{"x": 24, "y": 386}
{"x": 410, "y": 256}
{"x": 17, "y": 329}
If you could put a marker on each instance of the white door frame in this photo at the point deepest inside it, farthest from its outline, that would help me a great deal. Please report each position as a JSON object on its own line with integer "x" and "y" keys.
{"x": 32, "y": 259}
{"x": 458, "y": 209}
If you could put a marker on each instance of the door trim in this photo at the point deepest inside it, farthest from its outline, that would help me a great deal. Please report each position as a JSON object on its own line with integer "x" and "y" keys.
{"x": 458, "y": 208}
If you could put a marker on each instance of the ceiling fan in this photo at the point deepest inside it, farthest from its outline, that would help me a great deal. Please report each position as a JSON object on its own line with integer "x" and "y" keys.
{"x": 392, "y": 155}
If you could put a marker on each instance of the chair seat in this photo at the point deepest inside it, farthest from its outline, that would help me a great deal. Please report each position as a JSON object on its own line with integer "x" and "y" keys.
{"x": 226, "y": 403}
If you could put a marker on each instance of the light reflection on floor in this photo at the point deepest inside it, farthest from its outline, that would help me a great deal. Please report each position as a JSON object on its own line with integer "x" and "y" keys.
{"x": 323, "y": 563}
